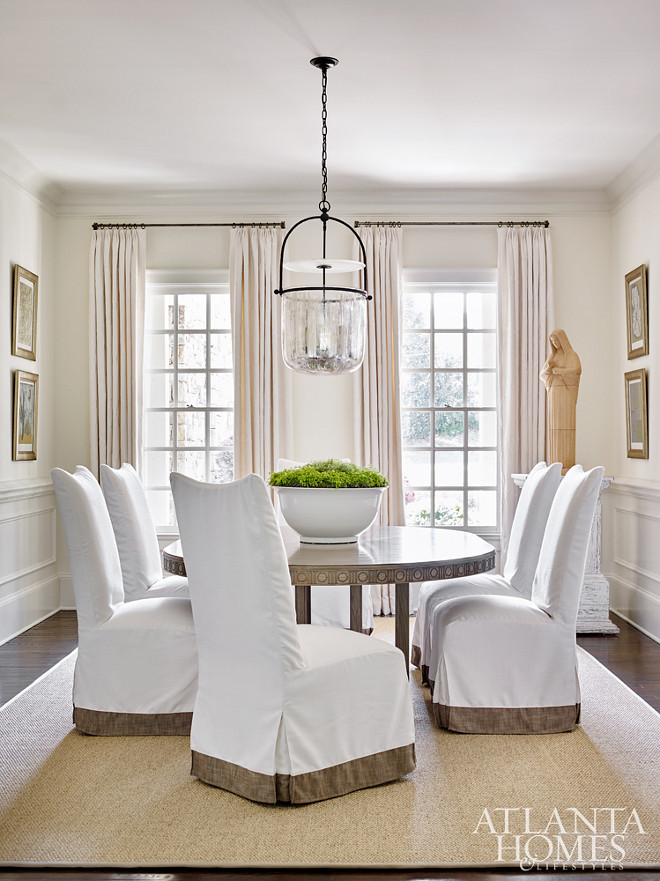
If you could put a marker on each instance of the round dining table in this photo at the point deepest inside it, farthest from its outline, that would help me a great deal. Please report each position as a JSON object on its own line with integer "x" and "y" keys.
{"x": 399, "y": 555}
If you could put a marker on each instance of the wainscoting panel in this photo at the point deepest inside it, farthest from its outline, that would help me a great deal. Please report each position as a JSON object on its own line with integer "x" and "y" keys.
{"x": 29, "y": 584}
{"x": 631, "y": 552}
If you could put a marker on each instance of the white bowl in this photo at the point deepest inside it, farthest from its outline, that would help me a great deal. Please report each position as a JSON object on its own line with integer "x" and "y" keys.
{"x": 329, "y": 516}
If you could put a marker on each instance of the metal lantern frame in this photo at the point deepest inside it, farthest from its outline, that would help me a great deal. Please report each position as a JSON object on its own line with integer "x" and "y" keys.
{"x": 324, "y": 63}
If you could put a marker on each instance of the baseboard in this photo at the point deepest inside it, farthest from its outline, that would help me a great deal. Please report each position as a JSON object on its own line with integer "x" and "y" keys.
{"x": 635, "y": 605}
{"x": 23, "y": 609}
{"x": 67, "y": 598}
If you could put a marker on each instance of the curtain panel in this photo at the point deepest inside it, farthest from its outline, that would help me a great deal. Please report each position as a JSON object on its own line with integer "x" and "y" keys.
{"x": 377, "y": 405}
{"x": 263, "y": 421}
{"x": 525, "y": 318}
{"x": 117, "y": 263}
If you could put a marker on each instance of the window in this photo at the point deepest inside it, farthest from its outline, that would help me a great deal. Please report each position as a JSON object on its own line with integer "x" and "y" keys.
{"x": 449, "y": 399}
{"x": 188, "y": 384}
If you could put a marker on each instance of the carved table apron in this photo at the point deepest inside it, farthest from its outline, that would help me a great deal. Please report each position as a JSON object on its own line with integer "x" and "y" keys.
{"x": 398, "y": 555}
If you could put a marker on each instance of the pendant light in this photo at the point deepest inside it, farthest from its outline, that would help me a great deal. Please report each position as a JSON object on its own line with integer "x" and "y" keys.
{"x": 323, "y": 325}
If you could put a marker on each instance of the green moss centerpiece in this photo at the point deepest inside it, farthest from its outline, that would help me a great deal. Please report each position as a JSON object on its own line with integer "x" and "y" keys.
{"x": 330, "y": 501}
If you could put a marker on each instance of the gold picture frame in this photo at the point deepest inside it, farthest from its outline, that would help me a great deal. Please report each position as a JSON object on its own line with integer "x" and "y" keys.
{"x": 26, "y": 408}
{"x": 637, "y": 323}
{"x": 24, "y": 333}
{"x": 637, "y": 431}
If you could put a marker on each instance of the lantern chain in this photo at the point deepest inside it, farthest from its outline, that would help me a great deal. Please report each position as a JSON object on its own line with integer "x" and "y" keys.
{"x": 324, "y": 205}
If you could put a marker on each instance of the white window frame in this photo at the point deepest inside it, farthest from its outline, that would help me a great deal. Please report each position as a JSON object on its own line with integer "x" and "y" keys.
{"x": 175, "y": 282}
{"x": 433, "y": 280}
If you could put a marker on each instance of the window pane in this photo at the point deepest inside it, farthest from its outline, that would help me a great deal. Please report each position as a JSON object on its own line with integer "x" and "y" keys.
{"x": 191, "y": 429}
{"x": 192, "y": 390}
{"x": 416, "y": 389}
{"x": 482, "y": 508}
{"x": 482, "y": 310}
{"x": 157, "y": 468}
{"x": 158, "y": 430}
{"x": 416, "y": 350}
{"x": 449, "y": 468}
{"x": 418, "y": 507}
{"x": 482, "y": 429}
{"x": 221, "y": 350}
{"x": 192, "y": 311}
{"x": 161, "y": 506}
{"x": 192, "y": 350}
{"x": 448, "y": 390}
{"x": 222, "y": 390}
{"x": 192, "y": 463}
{"x": 449, "y": 429}
{"x": 416, "y": 429}
{"x": 222, "y": 466}
{"x": 222, "y": 429}
{"x": 158, "y": 349}
{"x": 449, "y": 509}
{"x": 416, "y": 310}
{"x": 448, "y": 310}
{"x": 448, "y": 350}
{"x": 159, "y": 312}
{"x": 416, "y": 468}
{"x": 482, "y": 391}
{"x": 159, "y": 389}
{"x": 482, "y": 468}
{"x": 220, "y": 312}
{"x": 481, "y": 350}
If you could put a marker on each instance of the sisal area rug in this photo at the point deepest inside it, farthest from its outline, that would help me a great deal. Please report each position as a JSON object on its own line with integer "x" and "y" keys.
{"x": 586, "y": 799}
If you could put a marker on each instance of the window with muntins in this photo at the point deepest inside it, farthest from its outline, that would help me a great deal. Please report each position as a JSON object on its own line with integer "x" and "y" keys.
{"x": 449, "y": 400}
{"x": 188, "y": 384}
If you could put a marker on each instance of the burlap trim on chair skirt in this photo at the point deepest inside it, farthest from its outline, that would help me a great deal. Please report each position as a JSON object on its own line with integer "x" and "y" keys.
{"x": 507, "y": 720}
{"x": 330, "y": 782}
{"x": 101, "y": 722}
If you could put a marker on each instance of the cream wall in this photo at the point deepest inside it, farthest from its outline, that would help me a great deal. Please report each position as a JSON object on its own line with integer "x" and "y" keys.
{"x": 631, "y": 540}
{"x": 29, "y": 587}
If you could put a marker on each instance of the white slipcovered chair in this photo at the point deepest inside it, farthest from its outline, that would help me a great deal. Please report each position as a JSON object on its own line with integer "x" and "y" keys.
{"x": 516, "y": 579}
{"x": 136, "y": 537}
{"x": 332, "y": 605}
{"x": 508, "y": 665}
{"x": 310, "y": 712}
{"x": 136, "y": 670}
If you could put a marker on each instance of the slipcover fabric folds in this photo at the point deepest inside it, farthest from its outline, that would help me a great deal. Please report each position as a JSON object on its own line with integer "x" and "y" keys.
{"x": 315, "y": 711}
{"x": 137, "y": 541}
{"x": 508, "y": 664}
{"x": 136, "y": 671}
{"x": 525, "y": 541}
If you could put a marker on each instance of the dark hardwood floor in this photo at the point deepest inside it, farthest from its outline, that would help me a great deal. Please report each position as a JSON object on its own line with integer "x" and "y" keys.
{"x": 632, "y": 656}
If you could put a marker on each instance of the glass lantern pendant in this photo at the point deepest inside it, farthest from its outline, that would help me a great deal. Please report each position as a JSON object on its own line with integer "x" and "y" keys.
{"x": 323, "y": 324}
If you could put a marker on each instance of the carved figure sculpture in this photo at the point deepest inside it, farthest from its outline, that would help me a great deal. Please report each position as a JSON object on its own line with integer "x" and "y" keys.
{"x": 561, "y": 375}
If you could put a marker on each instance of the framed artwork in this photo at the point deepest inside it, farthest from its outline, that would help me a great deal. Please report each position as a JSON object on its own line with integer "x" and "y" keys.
{"x": 637, "y": 441}
{"x": 637, "y": 322}
{"x": 24, "y": 336}
{"x": 26, "y": 399}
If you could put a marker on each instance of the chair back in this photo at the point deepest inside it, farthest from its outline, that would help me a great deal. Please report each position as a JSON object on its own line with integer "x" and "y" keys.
{"x": 240, "y": 588}
{"x": 137, "y": 541}
{"x": 95, "y": 567}
{"x": 560, "y": 571}
{"x": 528, "y": 526}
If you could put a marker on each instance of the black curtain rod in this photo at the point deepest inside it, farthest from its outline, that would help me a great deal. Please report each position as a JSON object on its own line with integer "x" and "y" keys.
{"x": 262, "y": 225}
{"x": 396, "y": 223}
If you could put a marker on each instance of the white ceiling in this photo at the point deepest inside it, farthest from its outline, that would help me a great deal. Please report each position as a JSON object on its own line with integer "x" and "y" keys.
{"x": 167, "y": 96}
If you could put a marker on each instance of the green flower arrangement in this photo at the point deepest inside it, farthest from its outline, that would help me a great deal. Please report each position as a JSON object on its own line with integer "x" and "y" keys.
{"x": 329, "y": 474}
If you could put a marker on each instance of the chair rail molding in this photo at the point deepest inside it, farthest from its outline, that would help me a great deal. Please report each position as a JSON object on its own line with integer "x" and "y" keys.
{"x": 594, "y": 609}
{"x": 631, "y": 552}
{"x": 29, "y": 583}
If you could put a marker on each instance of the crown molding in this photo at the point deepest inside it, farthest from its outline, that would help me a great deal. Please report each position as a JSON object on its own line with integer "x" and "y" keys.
{"x": 391, "y": 204}
{"x": 641, "y": 171}
{"x": 16, "y": 169}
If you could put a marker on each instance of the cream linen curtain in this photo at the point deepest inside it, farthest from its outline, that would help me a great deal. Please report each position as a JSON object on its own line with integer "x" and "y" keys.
{"x": 263, "y": 424}
{"x": 116, "y": 346}
{"x": 525, "y": 318}
{"x": 377, "y": 413}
